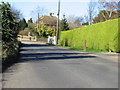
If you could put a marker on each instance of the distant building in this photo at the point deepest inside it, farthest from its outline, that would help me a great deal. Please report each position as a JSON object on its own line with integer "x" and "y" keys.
{"x": 48, "y": 20}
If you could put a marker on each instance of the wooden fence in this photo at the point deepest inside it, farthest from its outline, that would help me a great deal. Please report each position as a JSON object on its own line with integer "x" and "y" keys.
{"x": 27, "y": 38}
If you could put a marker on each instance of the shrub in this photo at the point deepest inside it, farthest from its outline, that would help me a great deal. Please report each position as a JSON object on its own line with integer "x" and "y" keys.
{"x": 103, "y": 36}
{"x": 9, "y": 18}
{"x": 10, "y": 53}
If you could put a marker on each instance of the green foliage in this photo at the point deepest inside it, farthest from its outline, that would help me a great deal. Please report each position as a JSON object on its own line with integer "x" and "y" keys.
{"x": 42, "y": 30}
{"x": 23, "y": 24}
{"x": 10, "y": 49}
{"x": 64, "y": 25}
{"x": 45, "y": 31}
{"x": 31, "y": 28}
{"x": 9, "y": 23}
{"x": 53, "y": 31}
{"x": 30, "y": 20}
{"x": 87, "y": 23}
{"x": 10, "y": 53}
{"x": 100, "y": 36}
{"x": 10, "y": 28}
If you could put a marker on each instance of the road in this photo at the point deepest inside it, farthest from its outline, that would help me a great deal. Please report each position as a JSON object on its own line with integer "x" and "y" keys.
{"x": 45, "y": 66}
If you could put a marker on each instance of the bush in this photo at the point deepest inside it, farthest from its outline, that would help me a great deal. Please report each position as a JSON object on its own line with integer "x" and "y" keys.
{"x": 10, "y": 53}
{"x": 9, "y": 18}
{"x": 102, "y": 36}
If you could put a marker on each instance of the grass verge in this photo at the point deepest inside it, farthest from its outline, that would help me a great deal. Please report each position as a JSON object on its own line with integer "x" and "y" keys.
{"x": 87, "y": 50}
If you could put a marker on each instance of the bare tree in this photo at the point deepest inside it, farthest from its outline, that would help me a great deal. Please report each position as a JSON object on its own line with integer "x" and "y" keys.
{"x": 38, "y": 12}
{"x": 71, "y": 19}
{"x": 91, "y": 11}
{"x": 109, "y": 6}
{"x": 85, "y": 20}
{"x": 119, "y": 5}
{"x": 74, "y": 21}
{"x": 78, "y": 21}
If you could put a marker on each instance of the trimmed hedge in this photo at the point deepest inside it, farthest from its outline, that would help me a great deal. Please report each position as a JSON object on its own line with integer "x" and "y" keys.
{"x": 102, "y": 36}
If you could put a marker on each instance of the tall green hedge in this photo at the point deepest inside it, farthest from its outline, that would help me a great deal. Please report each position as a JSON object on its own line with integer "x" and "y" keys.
{"x": 103, "y": 36}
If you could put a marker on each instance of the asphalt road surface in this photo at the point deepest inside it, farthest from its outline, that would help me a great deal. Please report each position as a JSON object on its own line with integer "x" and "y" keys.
{"x": 45, "y": 66}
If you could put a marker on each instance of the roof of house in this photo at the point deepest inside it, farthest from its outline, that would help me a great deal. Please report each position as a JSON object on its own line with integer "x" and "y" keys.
{"x": 50, "y": 20}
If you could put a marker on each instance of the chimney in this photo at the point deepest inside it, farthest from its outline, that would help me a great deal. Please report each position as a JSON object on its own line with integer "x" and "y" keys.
{"x": 51, "y": 14}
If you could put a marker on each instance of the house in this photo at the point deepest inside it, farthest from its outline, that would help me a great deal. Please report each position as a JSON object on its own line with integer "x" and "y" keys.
{"x": 48, "y": 20}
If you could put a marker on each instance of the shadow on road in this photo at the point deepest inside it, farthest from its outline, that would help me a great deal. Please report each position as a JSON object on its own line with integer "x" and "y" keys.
{"x": 55, "y": 53}
{"x": 54, "y": 58}
{"x": 46, "y": 54}
{"x": 35, "y": 45}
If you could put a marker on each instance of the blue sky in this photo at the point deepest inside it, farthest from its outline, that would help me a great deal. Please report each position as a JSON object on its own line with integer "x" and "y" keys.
{"x": 68, "y": 7}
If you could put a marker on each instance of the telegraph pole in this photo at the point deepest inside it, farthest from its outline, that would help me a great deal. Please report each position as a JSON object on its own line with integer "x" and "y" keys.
{"x": 57, "y": 32}
{"x": 38, "y": 22}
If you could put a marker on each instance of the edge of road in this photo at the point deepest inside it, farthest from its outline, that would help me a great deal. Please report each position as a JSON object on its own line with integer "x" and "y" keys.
{"x": 109, "y": 56}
